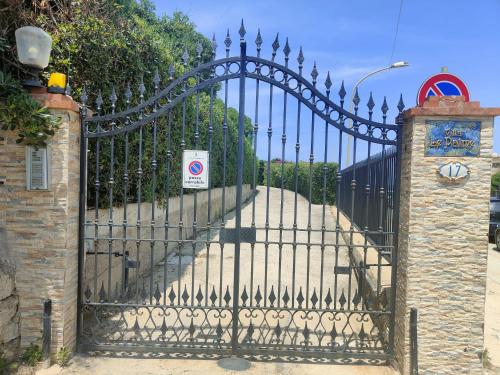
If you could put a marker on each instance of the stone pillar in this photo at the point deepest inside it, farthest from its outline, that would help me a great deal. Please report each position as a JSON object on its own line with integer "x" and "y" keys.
{"x": 42, "y": 227}
{"x": 443, "y": 243}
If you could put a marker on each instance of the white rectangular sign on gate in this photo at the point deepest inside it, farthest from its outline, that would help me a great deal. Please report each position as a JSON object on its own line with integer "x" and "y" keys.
{"x": 195, "y": 169}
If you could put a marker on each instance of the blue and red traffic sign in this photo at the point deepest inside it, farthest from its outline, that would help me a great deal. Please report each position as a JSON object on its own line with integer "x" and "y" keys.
{"x": 195, "y": 167}
{"x": 442, "y": 84}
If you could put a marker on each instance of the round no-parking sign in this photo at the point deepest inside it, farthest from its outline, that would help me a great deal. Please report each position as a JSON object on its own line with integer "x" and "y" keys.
{"x": 442, "y": 84}
{"x": 195, "y": 169}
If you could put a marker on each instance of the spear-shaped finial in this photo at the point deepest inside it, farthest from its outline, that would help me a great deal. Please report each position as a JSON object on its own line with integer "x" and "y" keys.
{"x": 314, "y": 73}
{"x": 370, "y": 103}
{"x": 185, "y": 57}
{"x": 199, "y": 50}
{"x": 275, "y": 45}
{"x": 227, "y": 41}
{"x": 356, "y": 99}
{"x": 83, "y": 96}
{"x": 99, "y": 101}
{"x": 258, "y": 41}
{"x": 142, "y": 88}
{"x": 286, "y": 50}
{"x": 342, "y": 92}
{"x": 328, "y": 82}
{"x": 156, "y": 79}
{"x": 171, "y": 71}
{"x": 384, "y": 107}
{"x": 128, "y": 94}
{"x": 300, "y": 58}
{"x": 242, "y": 31}
{"x": 401, "y": 104}
{"x": 214, "y": 44}
{"x": 113, "y": 98}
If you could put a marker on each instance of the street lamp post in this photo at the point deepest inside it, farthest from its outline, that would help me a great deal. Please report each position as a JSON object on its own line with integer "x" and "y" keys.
{"x": 399, "y": 64}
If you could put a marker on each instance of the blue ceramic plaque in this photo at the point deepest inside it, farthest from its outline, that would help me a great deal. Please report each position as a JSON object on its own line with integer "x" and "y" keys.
{"x": 452, "y": 138}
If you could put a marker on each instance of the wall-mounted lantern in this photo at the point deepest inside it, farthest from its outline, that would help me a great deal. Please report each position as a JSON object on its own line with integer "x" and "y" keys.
{"x": 33, "y": 51}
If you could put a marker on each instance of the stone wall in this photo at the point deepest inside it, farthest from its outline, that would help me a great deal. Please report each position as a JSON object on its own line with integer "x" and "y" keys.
{"x": 9, "y": 303}
{"x": 443, "y": 245}
{"x": 144, "y": 255}
{"x": 42, "y": 227}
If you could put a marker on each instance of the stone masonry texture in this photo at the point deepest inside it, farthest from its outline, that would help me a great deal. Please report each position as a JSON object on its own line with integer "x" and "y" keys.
{"x": 41, "y": 228}
{"x": 443, "y": 246}
{"x": 9, "y": 303}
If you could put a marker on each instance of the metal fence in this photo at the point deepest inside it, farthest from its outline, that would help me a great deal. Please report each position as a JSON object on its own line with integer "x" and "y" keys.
{"x": 372, "y": 181}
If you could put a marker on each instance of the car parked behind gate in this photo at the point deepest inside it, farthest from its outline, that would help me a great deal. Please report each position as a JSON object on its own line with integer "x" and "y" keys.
{"x": 494, "y": 232}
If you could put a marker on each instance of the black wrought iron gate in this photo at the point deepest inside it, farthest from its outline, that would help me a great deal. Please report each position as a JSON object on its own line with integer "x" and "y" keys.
{"x": 262, "y": 263}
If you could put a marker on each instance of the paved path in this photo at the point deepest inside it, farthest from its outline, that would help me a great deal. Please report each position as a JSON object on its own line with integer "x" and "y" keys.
{"x": 126, "y": 366}
{"x": 286, "y": 268}
{"x": 492, "y": 309}
{"x": 294, "y": 268}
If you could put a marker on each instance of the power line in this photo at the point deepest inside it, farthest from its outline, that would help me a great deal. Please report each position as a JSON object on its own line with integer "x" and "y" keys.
{"x": 397, "y": 30}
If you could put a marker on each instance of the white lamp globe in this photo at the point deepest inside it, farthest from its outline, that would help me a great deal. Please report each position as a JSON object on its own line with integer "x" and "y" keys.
{"x": 33, "y": 47}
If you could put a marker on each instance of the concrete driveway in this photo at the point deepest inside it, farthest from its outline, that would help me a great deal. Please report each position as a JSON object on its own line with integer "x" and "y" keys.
{"x": 492, "y": 309}
{"x": 285, "y": 267}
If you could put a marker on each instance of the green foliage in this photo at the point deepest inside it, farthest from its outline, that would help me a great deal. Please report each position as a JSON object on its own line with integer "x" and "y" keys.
{"x": 495, "y": 182}
{"x": 19, "y": 111}
{"x": 63, "y": 357}
{"x": 32, "y": 355}
{"x": 308, "y": 180}
{"x": 7, "y": 366}
{"x": 108, "y": 43}
{"x": 169, "y": 138}
{"x": 260, "y": 173}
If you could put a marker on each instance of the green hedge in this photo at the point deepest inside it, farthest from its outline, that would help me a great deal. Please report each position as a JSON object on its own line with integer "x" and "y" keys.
{"x": 116, "y": 43}
{"x": 168, "y": 187}
{"x": 306, "y": 174}
{"x": 495, "y": 183}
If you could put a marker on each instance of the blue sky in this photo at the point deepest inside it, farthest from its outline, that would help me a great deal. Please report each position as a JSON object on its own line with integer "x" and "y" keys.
{"x": 351, "y": 38}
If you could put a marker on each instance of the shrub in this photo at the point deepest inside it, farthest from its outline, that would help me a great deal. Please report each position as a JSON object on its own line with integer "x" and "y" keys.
{"x": 63, "y": 356}
{"x": 7, "y": 366}
{"x": 32, "y": 355}
{"x": 116, "y": 43}
{"x": 495, "y": 183}
{"x": 303, "y": 177}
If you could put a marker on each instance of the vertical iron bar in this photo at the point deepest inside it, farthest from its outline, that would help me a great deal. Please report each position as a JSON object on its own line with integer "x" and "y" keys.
{"x": 96, "y": 210}
{"x": 381, "y": 215}
{"x": 362, "y": 280}
{"x": 224, "y": 160}
{"x": 209, "y": 206}
{"x": 268, "y": 187}
{"x": 239, "y": 186}
{"x": 110, "y": 196}
{"x": 394, "y": 254}
{"x": 139, "y": 198}
{"x": 296, "y": 177}
{"x": 323, "y": 227}
{"x": 351, "y": 229}
{"x": 309, "y": 208}
{"x": 167, "y": 195}
{"x": 337, "y": 219}
{"x": 181, "y": 204}
{"x": 255, "y": 134}
{"x": 81, "y": 217}
{"x": 282, "y": 196}
{"x": 413, "y": 342}
{"x": 124, "y": 279}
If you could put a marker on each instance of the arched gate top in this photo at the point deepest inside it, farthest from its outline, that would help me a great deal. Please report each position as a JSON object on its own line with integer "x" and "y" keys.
{"x": 206, "y": 75}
